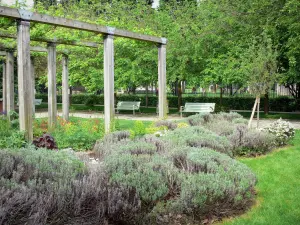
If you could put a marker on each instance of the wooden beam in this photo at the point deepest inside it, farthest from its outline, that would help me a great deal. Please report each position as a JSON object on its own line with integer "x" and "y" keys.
{"x": 75, "y": 24}
{"x": 10, "y": 82}
{"x": 55, "y": 40}
{"x": 65, "y": 87}
{"x": 4, "y": 106}
{"x": 109, "y": 106}
{"x": 52, "y": 107}
{"x": 24, "y": 79}
{"x": 38, "y": 49}
{"x": 162, "y": 93}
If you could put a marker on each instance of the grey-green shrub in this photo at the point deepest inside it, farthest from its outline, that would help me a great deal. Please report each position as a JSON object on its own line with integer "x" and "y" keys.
{"x": 48, "y": 187}
{"x": 195, "y": 136}
{"x": 203, "y": 118}
{"x": 146, "y": 174}
{"x": 171, "y": 125}
{"x": 251, "y": 142}
{"x": 209, "y": 182}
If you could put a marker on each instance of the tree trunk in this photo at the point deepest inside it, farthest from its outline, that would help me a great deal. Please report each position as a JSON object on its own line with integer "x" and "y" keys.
{"x": 214, "y": 88}
{"x": 253, "y": 111}
{"x": 231, "y": 90}
{"x": 179, "y": 91}
{"x": 147, "y": 99}
{"x": 221, "y": 95}
{"x": 266, "y": 103}
{"x": 70, "y": 96}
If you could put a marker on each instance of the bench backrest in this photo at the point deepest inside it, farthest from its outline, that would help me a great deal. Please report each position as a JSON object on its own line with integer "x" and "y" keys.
{"x": 199, "y": 107}
{"x": 128, "y": 105}
{"x": 38, "y": 101}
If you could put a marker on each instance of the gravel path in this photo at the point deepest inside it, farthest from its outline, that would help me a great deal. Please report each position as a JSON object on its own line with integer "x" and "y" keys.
{"x": 150, "y": 117}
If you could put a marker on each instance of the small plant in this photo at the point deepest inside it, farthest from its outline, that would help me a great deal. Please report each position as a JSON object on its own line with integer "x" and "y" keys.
{"x": 283, "y": 131}
{"x": 45, "y": 141}
{"x": 139, "y": 128}
{"x": 170, "y": 125}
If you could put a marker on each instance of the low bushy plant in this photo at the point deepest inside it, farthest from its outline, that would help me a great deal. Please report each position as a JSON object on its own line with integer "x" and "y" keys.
{"x": 251, "y": 142}
{"x": 282, "y": 130}
{"x": 195, "y": 136}
{"x": 170, "y": 125}
{"x": 45, "y": 141}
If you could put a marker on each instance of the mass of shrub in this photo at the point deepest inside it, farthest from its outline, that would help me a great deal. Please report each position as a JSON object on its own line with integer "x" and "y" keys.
{"x": 282, "y": 130}
{"x": 251, "y": 142}
{"x": 173, "y": 178}
{"x": 184, "y": 176}
{"x": 49, "y": 187}
{"x": 232, "y": 127}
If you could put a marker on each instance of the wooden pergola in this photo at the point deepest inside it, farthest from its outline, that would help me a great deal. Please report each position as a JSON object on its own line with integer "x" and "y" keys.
{"x": 25, "y": 78}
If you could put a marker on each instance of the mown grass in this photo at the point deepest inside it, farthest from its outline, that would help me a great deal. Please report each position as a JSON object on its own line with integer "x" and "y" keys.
{"x": 288, "y": 116}
{"x": 278, "y": 188}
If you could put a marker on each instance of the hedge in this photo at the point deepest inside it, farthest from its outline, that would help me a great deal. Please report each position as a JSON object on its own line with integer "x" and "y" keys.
{"x": 282, "y": 104}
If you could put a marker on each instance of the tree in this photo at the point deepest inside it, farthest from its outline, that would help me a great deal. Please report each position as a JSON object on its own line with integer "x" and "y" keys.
{"x": 260, "y": 66}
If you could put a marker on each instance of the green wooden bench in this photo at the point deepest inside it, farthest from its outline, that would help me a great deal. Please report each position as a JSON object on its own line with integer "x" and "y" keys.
{"x": 197, "y": 108}
{"x": 126, "y": 105}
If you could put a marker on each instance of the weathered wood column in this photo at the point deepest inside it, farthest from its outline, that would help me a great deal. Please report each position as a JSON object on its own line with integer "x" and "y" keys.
{"x": 162, "y": 92}
{"x": 52, "y": 108}
{"x": 32, "y": 71}
{"x": 4, "y": 87}
{"x": 109, "y": 106}
{"x": 10, "y": 104}
{"x": 24, "y": 79}
{"x": 65, "y": 87}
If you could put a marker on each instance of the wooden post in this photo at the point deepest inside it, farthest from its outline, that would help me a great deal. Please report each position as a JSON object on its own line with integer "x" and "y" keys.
{"x": 10, "y": 104}
{"x": 258, "y": 103}
{"x": 33, "y": 84}
{"x": 65, "y": 87}
{"x": 162, "y": 92}
{"x": 24, "y": 79}
{"x": 52, "y": 108}
{"x": 252, "y": 114}
{"x": 4, "y": 87}
{"x": 109, "y": 108}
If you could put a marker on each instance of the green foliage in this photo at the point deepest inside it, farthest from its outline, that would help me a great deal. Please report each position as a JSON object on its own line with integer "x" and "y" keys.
{"x": 139, "y": 128}
{"x": 10, "y": 136}
{"x": 77, "y": 134}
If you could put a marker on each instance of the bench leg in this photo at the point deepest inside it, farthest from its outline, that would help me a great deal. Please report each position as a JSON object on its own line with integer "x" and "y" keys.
{"x": 133, "y": 112}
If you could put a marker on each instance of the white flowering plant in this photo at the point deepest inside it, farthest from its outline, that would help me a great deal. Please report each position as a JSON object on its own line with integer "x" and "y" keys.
{"x": 283, "y": 130}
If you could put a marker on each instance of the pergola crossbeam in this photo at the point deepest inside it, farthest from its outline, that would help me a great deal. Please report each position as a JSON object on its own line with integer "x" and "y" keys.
{"x": 75, "y": 24}
{"x": 56, "y": 41}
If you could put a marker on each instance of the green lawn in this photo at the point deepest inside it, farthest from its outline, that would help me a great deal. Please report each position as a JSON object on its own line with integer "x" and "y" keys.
{"x": 278, "y": 188}
{"x": 288, "y": 116}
